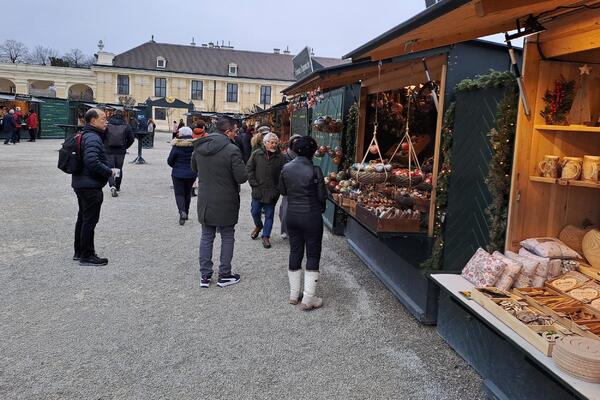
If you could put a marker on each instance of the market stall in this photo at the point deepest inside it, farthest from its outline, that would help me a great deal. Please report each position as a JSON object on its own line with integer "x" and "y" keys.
{"x": 276, "y": 117}
{"x": 25, "y": 102}
{"x": 534, "y": 311}
{"x": 389, "y": 193}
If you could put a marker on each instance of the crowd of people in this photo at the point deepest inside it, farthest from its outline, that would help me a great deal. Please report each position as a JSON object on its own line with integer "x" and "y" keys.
{"x": 218, "y": 163}
{"x": 12, "y": 121}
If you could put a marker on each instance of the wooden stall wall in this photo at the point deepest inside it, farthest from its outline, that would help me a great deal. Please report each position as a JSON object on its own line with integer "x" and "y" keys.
{"x": 543, "y": 206}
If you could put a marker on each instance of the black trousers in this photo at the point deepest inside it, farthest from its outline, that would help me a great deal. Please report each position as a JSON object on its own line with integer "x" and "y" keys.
{"x": 116, "y": 161}
{"x": 183, "y": 193}
{"x": 12, "y": 137}
{"x": 305, "y": 232}
{"x": 32, "y": 134}
{"x": 90, "y": 202}
{"x": 18, "y": 132}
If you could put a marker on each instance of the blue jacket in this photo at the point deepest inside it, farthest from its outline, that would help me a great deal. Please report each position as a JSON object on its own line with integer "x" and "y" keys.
{"x": 96, "y": 170}
{"x": 180, "y": 159}
{"x": 8, "y": 123}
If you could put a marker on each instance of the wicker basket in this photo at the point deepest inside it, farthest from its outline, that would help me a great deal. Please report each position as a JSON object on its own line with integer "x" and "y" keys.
{"x": 369, "y": 178}
{"x": 405, "y": 181}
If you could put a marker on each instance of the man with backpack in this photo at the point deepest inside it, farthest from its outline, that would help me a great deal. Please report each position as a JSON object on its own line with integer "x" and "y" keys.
{"x": 87, "y": 181}
{"x": 119, "y": 137}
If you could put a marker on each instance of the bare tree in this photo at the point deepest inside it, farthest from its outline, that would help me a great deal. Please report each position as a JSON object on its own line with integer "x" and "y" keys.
{"x": 42, "y": 55}
{"x": 88, "y": 61}
{"x": 13, "y": 51}
{"x": 74, "y": 57}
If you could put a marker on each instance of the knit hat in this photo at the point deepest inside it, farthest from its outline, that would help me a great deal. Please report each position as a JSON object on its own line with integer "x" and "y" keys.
{"x": 305, "y": 146}
{"x": 185, "y": 132}
{"x": 263, "y": 129}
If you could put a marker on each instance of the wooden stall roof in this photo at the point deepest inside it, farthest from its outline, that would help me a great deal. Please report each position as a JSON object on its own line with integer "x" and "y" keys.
{"x": 454, "y": 21}
{"x": 275, "y": 107}
{"x": 341, "y": 75}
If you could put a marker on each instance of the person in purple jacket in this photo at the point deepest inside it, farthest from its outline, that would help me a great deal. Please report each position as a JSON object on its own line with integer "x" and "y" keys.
{"x": 180, "y": 160}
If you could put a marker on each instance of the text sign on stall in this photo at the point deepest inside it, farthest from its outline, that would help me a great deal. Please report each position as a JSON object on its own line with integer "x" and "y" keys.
{"x": 22, "y": 97}
{"x": 303, "y": 65}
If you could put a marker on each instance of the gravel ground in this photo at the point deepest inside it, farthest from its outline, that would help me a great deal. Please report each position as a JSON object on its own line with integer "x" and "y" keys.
{"x": 140, "y": 328}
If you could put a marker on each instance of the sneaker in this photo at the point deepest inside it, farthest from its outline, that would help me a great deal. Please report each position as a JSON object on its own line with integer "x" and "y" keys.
{"x": 284, "y": 236}
{"x": 205, "y": 281}
{"x": 182, "y": 217}
{"x": 226, "y": 280}
{"x": 93, "y": 260}
{"x": 76, "y": 257}
{"x": 113, "y": 192}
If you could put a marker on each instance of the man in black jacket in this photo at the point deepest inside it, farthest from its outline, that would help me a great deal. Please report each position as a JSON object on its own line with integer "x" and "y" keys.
{"x": 8, "y": 124}
{"x": 88, "y": 186}
{"x": 119, "y": 137}
{"x": 221, "y": 171}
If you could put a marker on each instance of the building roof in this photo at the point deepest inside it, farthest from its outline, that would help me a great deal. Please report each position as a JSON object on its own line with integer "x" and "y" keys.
{"x": 213, "y": 61}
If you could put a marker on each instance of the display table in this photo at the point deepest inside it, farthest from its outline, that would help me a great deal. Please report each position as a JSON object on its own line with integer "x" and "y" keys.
{"x": 510, "y": 366}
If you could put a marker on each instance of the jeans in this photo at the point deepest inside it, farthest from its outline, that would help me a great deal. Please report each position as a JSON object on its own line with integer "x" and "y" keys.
{"x": 207, "y": 239}
{"x": 305, "y": 231}
{"x": 282, "y": 213}
{"x": 11, "y": 138}
{"x": 116, "y": 161}
{"x": 90, "y": 202}
{"x": 183, "y": 193}
{"x": 256, "y": 210}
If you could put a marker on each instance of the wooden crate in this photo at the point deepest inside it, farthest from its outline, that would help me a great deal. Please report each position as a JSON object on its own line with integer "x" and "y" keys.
{"x": 578, "y": 328}
{"x": 386, "y": 224}
{"x": 527, "y": 332}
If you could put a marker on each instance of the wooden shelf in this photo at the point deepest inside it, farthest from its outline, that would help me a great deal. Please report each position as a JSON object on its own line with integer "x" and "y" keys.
{"x": 568, "y": 128}
{"x": 560, "y": 182}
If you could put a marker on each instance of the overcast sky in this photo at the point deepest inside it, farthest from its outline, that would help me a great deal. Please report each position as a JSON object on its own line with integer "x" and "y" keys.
{"x": 332, "y": 27}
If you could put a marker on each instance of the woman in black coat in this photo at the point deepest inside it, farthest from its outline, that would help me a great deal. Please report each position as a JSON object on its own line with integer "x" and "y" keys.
{"x": 304, "y": 186}
{"x": 180, "y": 160}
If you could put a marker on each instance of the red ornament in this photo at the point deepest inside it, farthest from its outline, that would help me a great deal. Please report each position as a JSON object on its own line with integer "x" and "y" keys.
{"x": 405, "y": 147}
{"x": 373, "y": 149}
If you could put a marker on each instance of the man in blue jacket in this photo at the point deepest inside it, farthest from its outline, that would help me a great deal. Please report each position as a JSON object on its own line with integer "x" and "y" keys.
{"x": 9, "y": 126}
{"x": 88, "y": 186}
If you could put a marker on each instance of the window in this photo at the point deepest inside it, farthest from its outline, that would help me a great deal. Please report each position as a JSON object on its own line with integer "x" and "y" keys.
{"x": 160, "y": 87}
{"x": 233, "y": 69}
{"x": 122, "y": 84}
{"x": 232, "y": 92}
{"x": 161, "y": 62}
{"x": 160, "y": 114}
{"x": 197, "y": 88}
{"x": 265, "y": 95}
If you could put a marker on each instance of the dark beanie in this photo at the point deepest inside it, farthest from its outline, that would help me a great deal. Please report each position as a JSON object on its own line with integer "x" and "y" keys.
{"x": 305, "y": 146}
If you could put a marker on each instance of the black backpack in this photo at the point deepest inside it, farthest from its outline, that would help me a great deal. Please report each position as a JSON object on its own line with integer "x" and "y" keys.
{"x": 115, "y": 135}
{"x": 70, "y": 160}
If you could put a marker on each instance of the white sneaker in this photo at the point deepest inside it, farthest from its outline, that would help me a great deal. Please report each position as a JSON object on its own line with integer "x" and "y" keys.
{"x": 113, "y": 192}
{"x": 284, "y": 236}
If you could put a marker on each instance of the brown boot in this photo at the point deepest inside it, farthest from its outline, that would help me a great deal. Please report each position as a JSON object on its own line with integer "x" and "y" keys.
{"x": 266, "y": 242}
{"x": 255, "y": 233}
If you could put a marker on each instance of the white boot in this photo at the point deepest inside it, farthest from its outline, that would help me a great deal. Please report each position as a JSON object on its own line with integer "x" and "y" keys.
{"x": 295, "y": 285}
{"x": 310, "y": 299}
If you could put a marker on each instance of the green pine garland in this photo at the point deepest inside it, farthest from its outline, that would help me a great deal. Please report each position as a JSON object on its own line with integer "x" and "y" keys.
{"x": 350, "y": 135}
{"x": 502, "y": 139}
{"x": 434, "y": 262}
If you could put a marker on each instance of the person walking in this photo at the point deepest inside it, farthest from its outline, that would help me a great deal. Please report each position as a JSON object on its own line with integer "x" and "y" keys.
{"x": 18, "y": 116}
{"x": 88, "y": 185}
{"x": 264, "y": 168}
{"x": 247, "y": 144}
{"x": 32, "y": 125}
{"x": 174, "y": 129}
{"x": 288, "y": 156}
{"x": 118, "y": 138}
{"x": 304, "y": 186}
{"x": 180, "y": 160}
{"x": 9, "y": 127}
{"x": 220, "y": 170}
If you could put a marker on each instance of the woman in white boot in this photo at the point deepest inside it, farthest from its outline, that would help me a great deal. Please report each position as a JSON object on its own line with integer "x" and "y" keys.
{"x": 304, "y": 186}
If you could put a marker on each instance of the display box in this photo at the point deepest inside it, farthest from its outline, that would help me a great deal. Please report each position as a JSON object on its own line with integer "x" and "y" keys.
{"x": 531, "y": 333}
{"x": 386, "y": 224}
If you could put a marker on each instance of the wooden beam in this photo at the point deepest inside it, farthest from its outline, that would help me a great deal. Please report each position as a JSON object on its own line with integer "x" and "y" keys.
{"x": 572, "y": 33}
{"x": 484, "y": 7}
{"x": 438, "y": 143}
{"x": 362, "y": 116}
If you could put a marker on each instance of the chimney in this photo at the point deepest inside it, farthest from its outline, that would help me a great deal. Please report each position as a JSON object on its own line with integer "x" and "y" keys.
{"x": 193, "y": 42}
{"x": 276, "y": 51}
{"x": 287, "y": 50}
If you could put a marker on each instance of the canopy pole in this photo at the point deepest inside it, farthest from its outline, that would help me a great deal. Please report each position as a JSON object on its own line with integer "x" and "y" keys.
{"x": 515, "y": 70}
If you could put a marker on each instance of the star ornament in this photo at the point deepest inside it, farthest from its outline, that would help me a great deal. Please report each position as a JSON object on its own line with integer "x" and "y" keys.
{"x": 585, "y": 70}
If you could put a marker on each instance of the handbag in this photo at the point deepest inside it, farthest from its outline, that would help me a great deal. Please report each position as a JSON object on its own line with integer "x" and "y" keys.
{"x": 321, "y": 190}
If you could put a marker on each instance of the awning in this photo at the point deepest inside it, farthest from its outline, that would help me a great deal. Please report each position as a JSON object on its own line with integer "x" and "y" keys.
{"x": 283, "y": 105}
{"x": 170, "y": 103}
{"x": 11, "y": 97}
{"x": 454, "y": 21}
{"x": 348, "y": 74}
